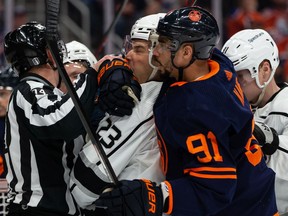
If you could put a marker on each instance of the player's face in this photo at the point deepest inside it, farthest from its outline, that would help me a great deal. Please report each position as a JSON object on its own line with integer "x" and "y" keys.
{"x": 162, "y": 56}
{"x": 138, "y": 59}
{"x": 5, "y": 94}
{"x": 248, "y": 85}
{"x": 73, "y": 70}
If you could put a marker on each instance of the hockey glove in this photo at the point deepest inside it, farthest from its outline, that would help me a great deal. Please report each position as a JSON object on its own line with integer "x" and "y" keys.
{"x": 133, "y": 198}
{"x": 267, "y": 137}
{"x": 119, "y": 88}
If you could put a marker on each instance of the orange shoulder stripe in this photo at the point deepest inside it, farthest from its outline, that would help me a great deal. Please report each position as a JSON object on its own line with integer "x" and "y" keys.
{"x": 238, "y": 92}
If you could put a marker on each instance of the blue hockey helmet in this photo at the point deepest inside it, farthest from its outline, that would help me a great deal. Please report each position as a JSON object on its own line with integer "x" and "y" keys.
{"x": 191, "y": 25}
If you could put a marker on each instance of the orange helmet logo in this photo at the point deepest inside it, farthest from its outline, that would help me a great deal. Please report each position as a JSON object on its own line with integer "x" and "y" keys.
{"x": 194, "y": 15}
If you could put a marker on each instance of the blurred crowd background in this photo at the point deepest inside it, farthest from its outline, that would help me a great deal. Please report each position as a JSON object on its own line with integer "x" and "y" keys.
{"x": 88, "y": 20}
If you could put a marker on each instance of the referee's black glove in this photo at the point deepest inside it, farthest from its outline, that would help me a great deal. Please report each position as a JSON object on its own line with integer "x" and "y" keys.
{"x": 267, "y": 137}
{"x": 119, "y": 88}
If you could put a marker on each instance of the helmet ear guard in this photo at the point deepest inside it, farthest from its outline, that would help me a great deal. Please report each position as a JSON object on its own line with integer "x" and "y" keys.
{"x": 248, "y": 48}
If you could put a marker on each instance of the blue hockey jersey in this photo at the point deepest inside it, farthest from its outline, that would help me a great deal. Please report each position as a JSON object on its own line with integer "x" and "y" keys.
{"x": 213, "y": 164}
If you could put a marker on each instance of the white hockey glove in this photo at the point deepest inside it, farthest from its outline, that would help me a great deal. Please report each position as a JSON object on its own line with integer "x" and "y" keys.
{"x": 267, "y": 137}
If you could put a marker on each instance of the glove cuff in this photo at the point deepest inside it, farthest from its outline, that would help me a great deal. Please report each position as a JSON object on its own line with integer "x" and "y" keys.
{"x": 267, "y": 138}
{"x": 167, "y": 197}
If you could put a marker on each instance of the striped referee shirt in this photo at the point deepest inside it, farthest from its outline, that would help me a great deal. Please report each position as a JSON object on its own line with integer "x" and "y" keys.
{"x": 44, "y": 136}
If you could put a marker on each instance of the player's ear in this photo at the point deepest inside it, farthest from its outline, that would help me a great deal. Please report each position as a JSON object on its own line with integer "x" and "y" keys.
{"x": 51, "y": 59}
{"x": 187, "y": 51}
{"x": 265, "y": 70}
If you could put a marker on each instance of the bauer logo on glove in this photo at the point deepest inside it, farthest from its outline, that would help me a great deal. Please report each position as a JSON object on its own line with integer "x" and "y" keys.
{"x": 119, "y": 88}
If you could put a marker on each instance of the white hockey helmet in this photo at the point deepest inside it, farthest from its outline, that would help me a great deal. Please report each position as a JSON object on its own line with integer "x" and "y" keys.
{"x": 248, "y": 48}
{"x": 77, "y": 51}
{"x": 145, "y": 29}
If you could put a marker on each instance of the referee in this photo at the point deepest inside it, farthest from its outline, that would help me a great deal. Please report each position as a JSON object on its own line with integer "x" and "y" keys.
{"x": 44, "y": 133}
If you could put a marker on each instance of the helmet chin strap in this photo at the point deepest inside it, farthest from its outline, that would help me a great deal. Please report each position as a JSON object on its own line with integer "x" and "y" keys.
{"x": 181, "y": 69}
{"x": 54, "y": 69}
{"x": 155, "y": 69}
{"x": 260, "y": 98}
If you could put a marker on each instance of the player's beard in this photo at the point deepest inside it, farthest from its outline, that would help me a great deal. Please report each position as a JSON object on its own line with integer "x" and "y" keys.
{"x": 163, "y": 70}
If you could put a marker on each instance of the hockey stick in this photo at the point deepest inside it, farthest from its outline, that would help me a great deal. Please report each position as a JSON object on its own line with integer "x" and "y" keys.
{"x": 52, "y": 37}
{"x": 191, "y": 3}
{"x": 108, "y": 31}
{"x": 282, "y": 149}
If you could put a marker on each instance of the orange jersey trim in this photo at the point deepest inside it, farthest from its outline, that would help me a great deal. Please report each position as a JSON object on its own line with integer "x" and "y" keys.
{"x": 214, "y": 69}
{"x": 239, "y": 93}
{"x": 219, "y": 169}
{"x": 163, "y": 152}
{"x": 1, "y": 165}
{"x": 196, "y": 172}
{"x": 178, "y": 83}
{"x": 209, "y": 176}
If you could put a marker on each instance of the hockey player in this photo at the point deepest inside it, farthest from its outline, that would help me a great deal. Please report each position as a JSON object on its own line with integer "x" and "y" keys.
{"x": 213, "y": 164}
{"x": 8, "y": 80}
{"x": 42, "y": 126}
{"x": 77, "y": 60}
{"x": 255, "y": 57}
{"x": 130, "y": 142}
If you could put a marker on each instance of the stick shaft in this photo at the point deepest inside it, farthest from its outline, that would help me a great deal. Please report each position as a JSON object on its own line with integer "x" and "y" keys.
{"x": 52, "y": 13}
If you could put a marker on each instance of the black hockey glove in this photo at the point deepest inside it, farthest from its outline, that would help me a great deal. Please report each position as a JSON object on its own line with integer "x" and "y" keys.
{"x": 133, "y": 198}
{"x": 119, "y": 88}
{"x": 267, "y": 137}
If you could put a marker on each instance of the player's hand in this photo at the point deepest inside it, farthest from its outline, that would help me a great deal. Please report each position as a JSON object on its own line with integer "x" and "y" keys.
{"x": 119, "y": 88}
{"x": 133, "y": 198}
{"x": 267, "y": 137}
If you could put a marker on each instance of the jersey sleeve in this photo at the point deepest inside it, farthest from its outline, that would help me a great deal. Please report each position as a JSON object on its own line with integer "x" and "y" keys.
{"x": 46, "y": 107}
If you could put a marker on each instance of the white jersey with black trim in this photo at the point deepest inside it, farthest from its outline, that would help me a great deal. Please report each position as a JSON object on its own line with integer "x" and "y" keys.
{"x": 275, "y": 115}
{"x": 130, "y": 142}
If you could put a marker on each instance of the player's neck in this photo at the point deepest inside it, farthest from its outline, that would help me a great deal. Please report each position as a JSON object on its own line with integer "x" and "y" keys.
{"x": 271, "y": 89}
{"x": 195, "y": 71}
{"x": 47, "y": 72}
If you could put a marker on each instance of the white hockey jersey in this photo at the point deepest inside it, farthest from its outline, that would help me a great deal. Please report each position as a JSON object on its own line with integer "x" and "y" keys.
{"x": 130, "y": 142}
{"x": 275, "y": 115}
